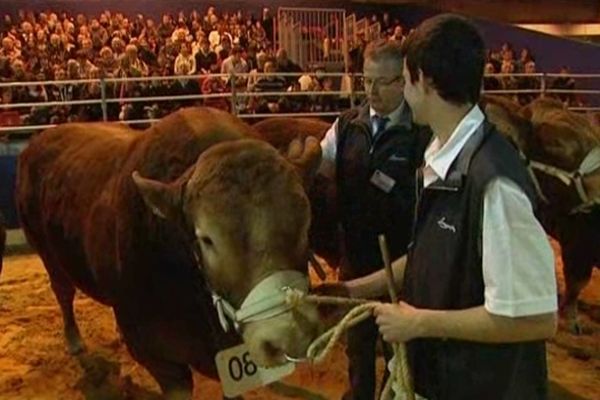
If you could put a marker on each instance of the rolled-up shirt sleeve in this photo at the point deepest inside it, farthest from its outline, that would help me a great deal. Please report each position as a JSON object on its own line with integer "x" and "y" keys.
{"x": 518, "y": 261}
{"x": 329, "y": 143}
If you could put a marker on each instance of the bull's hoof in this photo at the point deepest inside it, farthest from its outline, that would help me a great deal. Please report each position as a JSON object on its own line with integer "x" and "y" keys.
{"x": 76, "y": 347}
{"x": 575, "y": 328}
{"x": 75, "y": 344}
{"x": 578, "y": 329}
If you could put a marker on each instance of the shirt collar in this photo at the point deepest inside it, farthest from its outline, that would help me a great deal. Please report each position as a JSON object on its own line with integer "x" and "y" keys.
{"x": 440, "y": 158}
{"x": 396, "y": 117}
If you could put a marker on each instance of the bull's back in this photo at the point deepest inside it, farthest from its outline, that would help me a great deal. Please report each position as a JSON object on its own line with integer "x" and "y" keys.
{"x": 280, "y": 131}
{"x": 61, "y": 174}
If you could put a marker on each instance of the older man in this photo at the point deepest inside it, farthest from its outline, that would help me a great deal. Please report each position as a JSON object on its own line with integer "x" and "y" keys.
{"x": 371, "y": 153}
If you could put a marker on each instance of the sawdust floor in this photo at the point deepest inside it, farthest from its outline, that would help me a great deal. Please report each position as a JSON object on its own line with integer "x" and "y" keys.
{"x": 35, "y": 365}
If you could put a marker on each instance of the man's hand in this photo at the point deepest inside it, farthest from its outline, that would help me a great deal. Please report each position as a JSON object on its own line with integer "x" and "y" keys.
{"x": 398, "y": 322}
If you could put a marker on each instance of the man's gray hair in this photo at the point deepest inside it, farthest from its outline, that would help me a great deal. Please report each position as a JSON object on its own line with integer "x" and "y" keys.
{"x": 384, "y": 49}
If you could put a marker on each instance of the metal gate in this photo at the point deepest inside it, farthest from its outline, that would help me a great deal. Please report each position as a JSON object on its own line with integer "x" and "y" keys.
{"x": 314, "y": 37}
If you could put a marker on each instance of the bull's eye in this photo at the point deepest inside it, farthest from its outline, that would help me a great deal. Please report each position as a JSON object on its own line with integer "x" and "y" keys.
{"x": 206, "y": 241}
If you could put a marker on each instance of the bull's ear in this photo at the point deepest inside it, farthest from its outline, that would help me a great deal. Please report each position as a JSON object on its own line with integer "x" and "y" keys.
{"x": 163, "y": 199}
{"x": 305, "y": 155}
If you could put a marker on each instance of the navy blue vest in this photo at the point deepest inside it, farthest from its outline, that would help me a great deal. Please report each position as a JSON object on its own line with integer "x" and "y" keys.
{"x": 368, "y": 209}
{"x": 444, "y": 272}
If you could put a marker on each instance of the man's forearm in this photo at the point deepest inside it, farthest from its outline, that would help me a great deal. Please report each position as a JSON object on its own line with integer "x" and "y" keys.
{"x": 375, "y": 284}
{"x": 478, "y": 325}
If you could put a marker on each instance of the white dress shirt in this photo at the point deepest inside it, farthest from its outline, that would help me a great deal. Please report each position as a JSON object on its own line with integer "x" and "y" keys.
{"x": 329, "y": 142}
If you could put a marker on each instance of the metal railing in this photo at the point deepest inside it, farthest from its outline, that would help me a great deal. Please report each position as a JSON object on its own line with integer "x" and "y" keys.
{"x": 313, "y": 36}
{"x": 236, "y": 95}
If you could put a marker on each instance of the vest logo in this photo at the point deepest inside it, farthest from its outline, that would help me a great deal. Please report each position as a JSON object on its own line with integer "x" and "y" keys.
{"x": 444, "y": 225}
{"x": 395, "y": 157}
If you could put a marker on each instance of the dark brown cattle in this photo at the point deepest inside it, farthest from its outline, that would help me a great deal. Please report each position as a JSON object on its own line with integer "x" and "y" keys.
{"x": 553, "y": 136}
{"x": 280, "y": 131}
{"x": 211, "y": 198}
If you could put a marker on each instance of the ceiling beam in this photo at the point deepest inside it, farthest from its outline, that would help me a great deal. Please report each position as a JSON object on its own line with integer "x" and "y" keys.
{"x": 521, "y": 11}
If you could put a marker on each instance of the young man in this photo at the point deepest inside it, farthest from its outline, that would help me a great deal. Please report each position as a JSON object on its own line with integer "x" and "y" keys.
{"x": 370, "y": 155}
{"x": 478, "y": 290}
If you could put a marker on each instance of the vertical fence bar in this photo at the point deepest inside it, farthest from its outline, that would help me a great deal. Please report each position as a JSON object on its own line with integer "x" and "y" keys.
{"x": 302, "y": 32}
{"x": 298, "y": 41}
{"x": 324, "y": 39}
{"x": 543, "y": 86}
{"x": 317, "y": 39}
{"x": 234, "y": 109}
{"x": 345, "y": 43}
{"x": 338, "y": 37}
{"x": 104, "y": 105}
{"x": 322, "y": 45}
{"x": 309, "y": 36}
{"x": 304, "y": 42}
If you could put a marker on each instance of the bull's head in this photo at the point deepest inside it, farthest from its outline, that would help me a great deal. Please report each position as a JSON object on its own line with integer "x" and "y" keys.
{"x": 561, "y": 147}
{"x": 247, "y": 209}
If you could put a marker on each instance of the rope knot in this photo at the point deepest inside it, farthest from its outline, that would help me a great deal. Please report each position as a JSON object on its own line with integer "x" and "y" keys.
{"x": 294, "y": 297}
{"x": 362, "y": 310}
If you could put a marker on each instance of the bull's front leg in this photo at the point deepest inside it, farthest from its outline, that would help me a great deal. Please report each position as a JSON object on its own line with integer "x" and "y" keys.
{"x": 578, "y": 272}
{"x": 569, "y": 305}
{"x": 175, "y": 379}
{"x": 64, "y": 292}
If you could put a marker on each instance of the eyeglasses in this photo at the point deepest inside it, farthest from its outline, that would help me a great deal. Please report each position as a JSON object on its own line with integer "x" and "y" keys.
{"x": 380, "y": 82}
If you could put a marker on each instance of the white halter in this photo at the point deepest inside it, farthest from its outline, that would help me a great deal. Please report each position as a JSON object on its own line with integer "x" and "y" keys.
{"x": 266, "y": 300}
{"x": 590, "y": 164}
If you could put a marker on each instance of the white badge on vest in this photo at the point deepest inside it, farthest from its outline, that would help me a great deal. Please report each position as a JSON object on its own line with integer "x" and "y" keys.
{"x": 383, "y": 181}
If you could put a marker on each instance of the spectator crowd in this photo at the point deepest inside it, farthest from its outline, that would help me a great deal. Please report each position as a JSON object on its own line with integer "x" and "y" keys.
{"x": 192, "y": 48}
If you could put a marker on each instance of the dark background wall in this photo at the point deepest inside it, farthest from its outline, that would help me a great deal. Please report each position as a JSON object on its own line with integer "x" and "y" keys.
{"x": 527, "y": 11}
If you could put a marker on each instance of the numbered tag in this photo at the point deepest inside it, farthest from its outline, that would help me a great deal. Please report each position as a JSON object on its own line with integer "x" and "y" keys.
{"x": 238, "y": 373}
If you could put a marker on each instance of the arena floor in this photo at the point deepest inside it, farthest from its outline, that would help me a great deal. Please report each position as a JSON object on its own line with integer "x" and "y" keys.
{"x": 35, "y": 365}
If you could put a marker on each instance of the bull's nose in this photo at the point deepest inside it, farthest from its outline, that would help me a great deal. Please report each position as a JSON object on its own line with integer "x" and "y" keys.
{"x": 274, "y": 353}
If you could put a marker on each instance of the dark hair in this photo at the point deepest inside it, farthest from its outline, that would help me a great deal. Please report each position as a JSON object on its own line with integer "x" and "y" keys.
{"x": 451, "y": 52}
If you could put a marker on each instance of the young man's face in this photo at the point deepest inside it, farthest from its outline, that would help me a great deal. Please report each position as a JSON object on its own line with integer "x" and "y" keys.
{"x": 383, "y": 84}
{"x": 414, "y": 94}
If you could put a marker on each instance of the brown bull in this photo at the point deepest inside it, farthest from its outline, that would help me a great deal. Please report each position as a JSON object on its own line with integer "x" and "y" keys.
{"x": 556, "y": 142}
{"x": 215, "y": 209}
{"x": 280, "y": 131}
